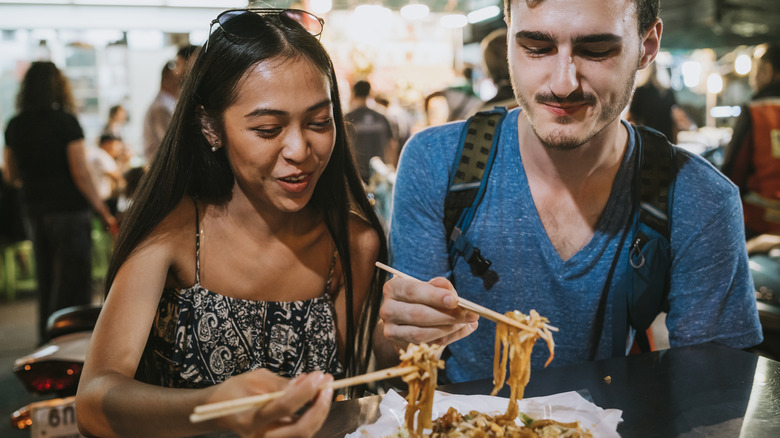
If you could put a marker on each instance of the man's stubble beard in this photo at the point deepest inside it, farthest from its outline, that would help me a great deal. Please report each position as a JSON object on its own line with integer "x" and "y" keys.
{"x": 559, "y": 138}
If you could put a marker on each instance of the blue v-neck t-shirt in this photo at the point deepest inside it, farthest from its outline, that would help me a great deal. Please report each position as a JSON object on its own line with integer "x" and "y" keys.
{"x": 711, "y": 292}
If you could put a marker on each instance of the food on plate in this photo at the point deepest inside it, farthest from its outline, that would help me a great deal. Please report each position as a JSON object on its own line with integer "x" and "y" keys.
{"x": 422, "y": 383}
{"x": 514, "y": 345}
{"x": 476, "y": 424}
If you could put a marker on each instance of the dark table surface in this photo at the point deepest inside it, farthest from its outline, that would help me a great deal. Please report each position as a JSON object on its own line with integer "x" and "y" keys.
{"x": 699, "y": 391}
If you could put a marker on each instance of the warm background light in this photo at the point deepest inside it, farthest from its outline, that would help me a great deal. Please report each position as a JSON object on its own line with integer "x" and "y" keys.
{"x": 414, "y": 11}
{"x": 743, "y": 64}
{"x": 714, "y": 83}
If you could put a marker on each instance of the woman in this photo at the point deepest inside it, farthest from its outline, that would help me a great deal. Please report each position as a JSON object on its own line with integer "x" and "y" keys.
{"x": 45, "y": 152}
{"x": 247, "y": 256}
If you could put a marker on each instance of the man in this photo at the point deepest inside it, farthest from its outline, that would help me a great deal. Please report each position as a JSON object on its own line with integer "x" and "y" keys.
{"x": 160, "y": 112}
{"x": 460, "y": 100}
{"x": 558, "y": 204}
{"x": 494, "y": 54}
{"x": 752, "y": 159}
{"x": 369, "y": 131}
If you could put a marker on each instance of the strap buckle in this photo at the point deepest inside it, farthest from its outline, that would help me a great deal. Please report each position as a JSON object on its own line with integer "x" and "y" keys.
{"x": 479, "y": 265}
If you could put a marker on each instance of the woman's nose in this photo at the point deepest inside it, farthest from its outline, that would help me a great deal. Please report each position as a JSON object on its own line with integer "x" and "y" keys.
{"x": 296, "y": 147}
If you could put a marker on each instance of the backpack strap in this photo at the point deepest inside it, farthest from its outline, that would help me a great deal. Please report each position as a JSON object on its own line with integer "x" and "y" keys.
{"x": 470, "y": 172}
{"x": 650, "y": 252}
{"x": 656, "y": 181}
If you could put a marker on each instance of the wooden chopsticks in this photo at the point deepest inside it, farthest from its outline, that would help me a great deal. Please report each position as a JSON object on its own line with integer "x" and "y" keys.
{"x": 470, "y": 306}
{"x": 229, "y": 407}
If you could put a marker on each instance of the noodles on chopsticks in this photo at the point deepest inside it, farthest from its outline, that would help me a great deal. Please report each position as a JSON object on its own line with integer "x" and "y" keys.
{"x": 515, "y": 345}
{"x": 422, "y": 384}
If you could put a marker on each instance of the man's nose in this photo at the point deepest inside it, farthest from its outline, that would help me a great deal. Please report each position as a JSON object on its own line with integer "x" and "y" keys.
{"x": 564, "y": 79}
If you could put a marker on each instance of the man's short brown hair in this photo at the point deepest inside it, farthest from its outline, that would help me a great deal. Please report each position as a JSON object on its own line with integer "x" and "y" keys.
{"x": 646, "y": 11}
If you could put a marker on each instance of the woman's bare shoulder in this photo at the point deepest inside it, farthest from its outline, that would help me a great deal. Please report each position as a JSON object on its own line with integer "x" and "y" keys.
{"x": 176, "y": 229}
{"x": 364, "y": 239}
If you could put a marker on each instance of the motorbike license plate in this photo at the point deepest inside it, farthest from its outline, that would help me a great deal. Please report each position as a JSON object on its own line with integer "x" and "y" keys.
{"x": 55, "y": 419}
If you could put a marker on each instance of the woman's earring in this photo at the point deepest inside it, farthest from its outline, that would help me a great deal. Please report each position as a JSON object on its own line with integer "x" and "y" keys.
{"x": 215, "y": 146}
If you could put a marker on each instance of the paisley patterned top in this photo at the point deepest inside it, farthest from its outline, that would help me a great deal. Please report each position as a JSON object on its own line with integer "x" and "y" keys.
{"x": 200, "y": 338}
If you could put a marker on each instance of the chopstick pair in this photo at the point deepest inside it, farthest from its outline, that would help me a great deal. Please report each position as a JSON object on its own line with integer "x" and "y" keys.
{"x": 470, "y": 306}
{"x": 229, "y": 407}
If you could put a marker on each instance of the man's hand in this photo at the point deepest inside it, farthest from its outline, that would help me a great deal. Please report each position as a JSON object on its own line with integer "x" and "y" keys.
{"x": 416, "y": 312}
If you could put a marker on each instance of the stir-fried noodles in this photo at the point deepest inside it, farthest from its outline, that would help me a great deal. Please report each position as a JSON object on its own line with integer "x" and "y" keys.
{"x": 476, "y": 424}
{"x": 422, "y": 383}
{"x": 513, "y": 347}
{"x": 514, "y": 344}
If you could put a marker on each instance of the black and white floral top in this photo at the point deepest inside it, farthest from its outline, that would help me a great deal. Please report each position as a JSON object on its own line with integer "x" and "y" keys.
{"x": 200, "y": 338}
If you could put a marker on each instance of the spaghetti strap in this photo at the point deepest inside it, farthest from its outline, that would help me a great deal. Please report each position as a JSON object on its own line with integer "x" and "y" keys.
{"x": 197, "y": 243}
{"x": 331, "y": 271}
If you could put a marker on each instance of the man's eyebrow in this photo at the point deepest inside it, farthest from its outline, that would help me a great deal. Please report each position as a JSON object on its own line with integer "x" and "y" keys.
{"x": 581, "y": 39}
{"x": 598, "y": 38}
{"x": 259, "y": 112}
{"x": 533, "y": 35}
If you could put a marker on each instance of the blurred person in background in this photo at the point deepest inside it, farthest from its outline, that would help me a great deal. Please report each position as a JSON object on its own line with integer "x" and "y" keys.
{"x": 132, "y": 177}
{"x": 460, "y": 100}
{"x": 255, "y": 178}
{"x": 752, "y": 158}
{"x": 401, "y": 123}
{"x": 494, "y": 60}
{"x": 369, "y": 131}
{"x": 160, "y": 111}
{"x": 654, "y": 105}
{"x": 106, "y": 170}
{"x": 159, "y": 114}
{"x": 45, "y": 151}
{"x": 117, "y": 118}
{"x": 185, "y": 57}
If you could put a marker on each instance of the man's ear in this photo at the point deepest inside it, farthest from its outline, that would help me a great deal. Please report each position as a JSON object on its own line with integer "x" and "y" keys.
{"x": 208, "y": 127}
{"x": 651, "y": 43}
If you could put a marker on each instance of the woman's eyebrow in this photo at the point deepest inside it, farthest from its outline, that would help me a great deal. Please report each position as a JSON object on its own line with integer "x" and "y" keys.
{"x": 259, "y": 112}
{"x": 316, "y": 106}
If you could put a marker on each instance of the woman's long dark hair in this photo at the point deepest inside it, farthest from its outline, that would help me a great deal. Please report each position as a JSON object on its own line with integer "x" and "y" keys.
{"x": 45, "y": 87}
{"x": 185, "y": 165}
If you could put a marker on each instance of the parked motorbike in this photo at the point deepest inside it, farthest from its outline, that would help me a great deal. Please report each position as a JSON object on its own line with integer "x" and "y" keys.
{"x": 53, "y": 370}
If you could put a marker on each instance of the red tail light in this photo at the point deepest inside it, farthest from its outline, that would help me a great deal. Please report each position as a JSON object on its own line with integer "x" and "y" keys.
{"x": 50, "y": 377}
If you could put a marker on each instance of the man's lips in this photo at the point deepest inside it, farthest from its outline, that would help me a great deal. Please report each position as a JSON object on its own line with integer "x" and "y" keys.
{"x": 564, "y": 110}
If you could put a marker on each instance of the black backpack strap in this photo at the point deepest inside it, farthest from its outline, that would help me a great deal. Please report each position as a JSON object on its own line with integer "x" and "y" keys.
{"x": 471, "y": 169}
{"x": 650, "y": 253}
{"x": 656, "y": 180}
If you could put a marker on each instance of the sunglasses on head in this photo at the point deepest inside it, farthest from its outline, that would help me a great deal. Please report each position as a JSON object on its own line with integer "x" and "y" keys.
{"x": 243, "y": 23}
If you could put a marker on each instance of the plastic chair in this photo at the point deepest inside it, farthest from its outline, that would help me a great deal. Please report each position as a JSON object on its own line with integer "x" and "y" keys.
{"x": 15, "y": 277}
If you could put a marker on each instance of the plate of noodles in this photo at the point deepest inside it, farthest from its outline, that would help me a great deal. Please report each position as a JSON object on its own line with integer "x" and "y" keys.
{"x": 426, "y": 412}
{"x": 564, "y": 408}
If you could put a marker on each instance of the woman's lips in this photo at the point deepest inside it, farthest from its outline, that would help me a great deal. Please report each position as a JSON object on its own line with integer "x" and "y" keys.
{"x": 295, "y": 184}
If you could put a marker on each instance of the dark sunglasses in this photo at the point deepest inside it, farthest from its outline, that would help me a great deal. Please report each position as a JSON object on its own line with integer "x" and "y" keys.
{"x": 243, "y": 23}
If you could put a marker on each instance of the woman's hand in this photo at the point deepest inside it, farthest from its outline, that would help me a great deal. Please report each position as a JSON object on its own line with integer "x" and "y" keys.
{"x": 278, "y": 418}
